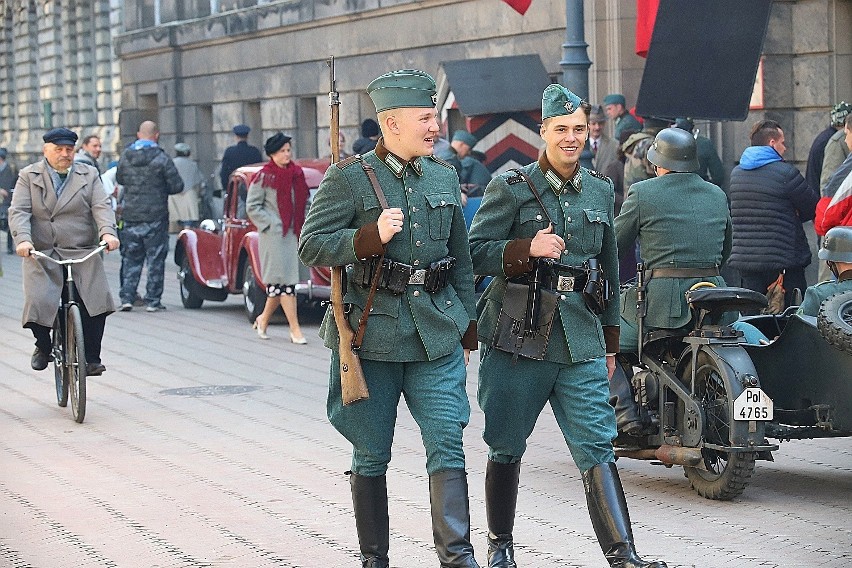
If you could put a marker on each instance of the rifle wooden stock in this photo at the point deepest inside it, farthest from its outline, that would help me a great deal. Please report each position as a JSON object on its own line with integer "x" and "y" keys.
{"x": 353, "y": 385}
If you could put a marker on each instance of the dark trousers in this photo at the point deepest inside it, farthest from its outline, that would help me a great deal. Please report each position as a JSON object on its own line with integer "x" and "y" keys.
{"x": 93, "y": 332}
{"x": 794, "y": 278}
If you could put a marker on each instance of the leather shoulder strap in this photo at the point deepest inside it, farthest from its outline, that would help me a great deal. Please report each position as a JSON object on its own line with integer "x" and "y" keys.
{"x": 536, "y": 194}
{"x": 374, "y": 284}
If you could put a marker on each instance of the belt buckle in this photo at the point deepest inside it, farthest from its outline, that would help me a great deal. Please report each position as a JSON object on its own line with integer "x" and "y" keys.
{"x": 418, "y": 277}
{"x": 565, "y": 284}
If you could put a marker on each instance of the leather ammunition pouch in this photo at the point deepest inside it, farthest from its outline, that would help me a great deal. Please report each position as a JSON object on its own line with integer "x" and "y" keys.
{"x": 396, "y": 276}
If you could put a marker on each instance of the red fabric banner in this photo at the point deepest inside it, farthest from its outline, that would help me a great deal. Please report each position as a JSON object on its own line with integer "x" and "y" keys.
{"x": 520, "y": 6}
{"x": 646, "y": 15}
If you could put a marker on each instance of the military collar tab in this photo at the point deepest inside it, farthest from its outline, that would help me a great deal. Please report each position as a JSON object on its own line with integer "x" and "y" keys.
{"x": 396, "y": 164}
{"x": 557, "y": 184}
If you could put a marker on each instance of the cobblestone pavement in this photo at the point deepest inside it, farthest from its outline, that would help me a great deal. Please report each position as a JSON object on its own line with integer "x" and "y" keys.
{"x": 206, "y": 447}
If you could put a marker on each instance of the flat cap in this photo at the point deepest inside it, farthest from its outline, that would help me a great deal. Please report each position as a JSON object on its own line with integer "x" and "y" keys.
{"x": 597, "y": 114}
{"x": 466, "y": 137}
{"x": 275, "y": 143}
{"x": 615, "y": 99}
{"x": 183, "y": 148}
{"x": 556, "y": 100}
{"x": 241, "y": 130}
{"x": 406, "y": 88}
{"x": 60, "y": 137}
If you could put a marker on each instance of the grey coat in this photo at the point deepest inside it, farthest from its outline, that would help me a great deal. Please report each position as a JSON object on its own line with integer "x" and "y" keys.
{"x": 279, "y": 255}
{"x": 63, "y": 228}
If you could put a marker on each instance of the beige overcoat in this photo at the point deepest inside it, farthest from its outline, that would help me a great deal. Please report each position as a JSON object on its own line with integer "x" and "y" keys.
{"x": 63, "y": 228}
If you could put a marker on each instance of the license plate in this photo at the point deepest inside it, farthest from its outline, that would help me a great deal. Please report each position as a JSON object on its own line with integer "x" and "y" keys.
{"x": 753, "y": 404}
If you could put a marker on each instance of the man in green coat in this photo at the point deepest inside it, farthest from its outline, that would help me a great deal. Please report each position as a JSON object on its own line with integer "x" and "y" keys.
{"x": 684, "y": 231}
{"x": 511, "y": 234}
{"x": 422, "y": 323}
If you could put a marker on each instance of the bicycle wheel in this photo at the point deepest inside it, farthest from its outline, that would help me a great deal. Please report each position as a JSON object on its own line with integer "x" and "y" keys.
{"x": 59, "y": 370}
{"x": 76, "y": 362}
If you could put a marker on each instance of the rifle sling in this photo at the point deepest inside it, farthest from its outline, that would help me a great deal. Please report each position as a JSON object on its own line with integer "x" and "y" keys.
{"x": 374, "y": 284}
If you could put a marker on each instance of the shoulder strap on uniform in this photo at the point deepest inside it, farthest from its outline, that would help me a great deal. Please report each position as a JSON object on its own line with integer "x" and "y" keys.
{"x": 599, "y": 175}
{"x": 444, "y": 163}
{"x": 348, "y": 161}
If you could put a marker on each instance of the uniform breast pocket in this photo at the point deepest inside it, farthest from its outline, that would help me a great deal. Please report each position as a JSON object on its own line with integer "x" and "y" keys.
{"x": 594, "y": 222}
{"x": 440, "y": 215}
{"x": 532, "y": 220}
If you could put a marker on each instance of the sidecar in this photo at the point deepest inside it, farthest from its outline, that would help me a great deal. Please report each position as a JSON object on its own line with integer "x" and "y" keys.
{"x": 807, "y": 370}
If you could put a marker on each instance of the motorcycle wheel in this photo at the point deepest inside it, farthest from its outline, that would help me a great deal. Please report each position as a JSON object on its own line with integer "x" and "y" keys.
{"x": 727, "y": 474}
{"x": 834, "y": 321}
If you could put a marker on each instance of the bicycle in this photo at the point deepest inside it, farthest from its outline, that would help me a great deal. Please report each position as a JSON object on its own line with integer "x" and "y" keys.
{"x": 68, "y": 346}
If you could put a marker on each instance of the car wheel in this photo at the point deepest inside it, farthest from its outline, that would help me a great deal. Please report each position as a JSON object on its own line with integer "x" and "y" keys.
{"x": 254, "y": 297}
{"x": 190, "y": 295}
{"x": 834, "y": 321}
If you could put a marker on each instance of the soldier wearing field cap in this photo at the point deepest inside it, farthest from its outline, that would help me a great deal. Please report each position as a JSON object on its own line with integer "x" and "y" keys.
{"x": 615, "y": 106}
{"x": 422, "y": 324}
{"x": 555, "y": 210}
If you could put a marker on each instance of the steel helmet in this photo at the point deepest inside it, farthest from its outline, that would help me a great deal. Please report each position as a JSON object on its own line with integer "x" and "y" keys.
{"x": 674, "y": 149}
{"x": 837, "y": 245}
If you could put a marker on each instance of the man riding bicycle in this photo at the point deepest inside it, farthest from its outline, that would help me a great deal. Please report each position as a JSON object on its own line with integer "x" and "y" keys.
{"x": 59, "y": 208}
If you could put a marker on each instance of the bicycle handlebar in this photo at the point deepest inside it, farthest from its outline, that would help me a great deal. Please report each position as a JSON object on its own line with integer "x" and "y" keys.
{"x": 101, "y": 246}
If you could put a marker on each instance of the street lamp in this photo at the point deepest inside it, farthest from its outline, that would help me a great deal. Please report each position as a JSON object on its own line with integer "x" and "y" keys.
{"x": 575, "y": 60}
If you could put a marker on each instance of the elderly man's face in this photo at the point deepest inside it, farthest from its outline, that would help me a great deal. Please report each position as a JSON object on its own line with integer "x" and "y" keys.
{"x": 59, "y": 156}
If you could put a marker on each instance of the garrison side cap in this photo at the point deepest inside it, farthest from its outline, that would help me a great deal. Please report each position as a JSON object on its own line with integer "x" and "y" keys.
{"x": 405, "y": 88}
{"x": 556, "y": 100}
{"x": 466, "y": 137}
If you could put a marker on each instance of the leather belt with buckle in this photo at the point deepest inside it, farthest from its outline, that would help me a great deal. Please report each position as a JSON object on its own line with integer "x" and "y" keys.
{"x": 418, "y": 277}
{"x": 565, "y": 284}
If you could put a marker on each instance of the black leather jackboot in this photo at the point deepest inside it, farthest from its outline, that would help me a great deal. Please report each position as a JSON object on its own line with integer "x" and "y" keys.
{"x": 451, "y": 518}
{"x": 627, "y": 417}
{"x": 501, "y": 498}
{"x": 610, "y": 519}
{"x": 370, "y": 501}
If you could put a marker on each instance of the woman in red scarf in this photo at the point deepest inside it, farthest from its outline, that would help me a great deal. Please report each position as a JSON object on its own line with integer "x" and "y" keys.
{"x": 276, "y": 204}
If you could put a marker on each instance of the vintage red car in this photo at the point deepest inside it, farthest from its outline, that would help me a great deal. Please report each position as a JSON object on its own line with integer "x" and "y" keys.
{"x": 216, "y": 260}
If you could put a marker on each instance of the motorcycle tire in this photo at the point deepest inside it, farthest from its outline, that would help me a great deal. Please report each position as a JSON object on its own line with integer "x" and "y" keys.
{"x": 727, "y": 474}
{"x": 834, "y": 321}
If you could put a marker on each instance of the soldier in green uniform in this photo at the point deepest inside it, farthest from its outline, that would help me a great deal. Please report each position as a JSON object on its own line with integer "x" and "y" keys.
{"x": 615, "y": 106}
{"x": 510, "y": 237}
{"x": 422, "y": 324}
{"x": 836, "y": 251}
{"x": 684, "y": 231}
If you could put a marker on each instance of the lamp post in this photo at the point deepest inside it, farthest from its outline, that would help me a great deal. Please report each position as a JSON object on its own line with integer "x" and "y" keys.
{"x": 575, "y": 60}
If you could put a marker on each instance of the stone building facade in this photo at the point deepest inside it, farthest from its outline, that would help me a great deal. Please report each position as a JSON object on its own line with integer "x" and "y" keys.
{"x": 200, "y": 66}
{"x": 57, "y": 68}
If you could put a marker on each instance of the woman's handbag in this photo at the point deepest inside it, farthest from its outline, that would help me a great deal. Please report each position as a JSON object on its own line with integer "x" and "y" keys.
{"x": 509, "y": 336}
{"x": 775, "y": 295}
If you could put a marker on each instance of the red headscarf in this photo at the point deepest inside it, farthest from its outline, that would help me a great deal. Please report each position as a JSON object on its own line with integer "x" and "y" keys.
{"x": 291, "y": 190}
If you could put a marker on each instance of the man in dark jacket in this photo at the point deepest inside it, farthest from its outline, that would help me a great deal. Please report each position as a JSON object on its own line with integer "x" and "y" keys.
{"x": 238, "y": 155}
{"x": 769, "y": 202}
{"x": 149, "y": 176}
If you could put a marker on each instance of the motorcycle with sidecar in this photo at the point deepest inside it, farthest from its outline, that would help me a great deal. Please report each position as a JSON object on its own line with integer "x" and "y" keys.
{"x": 708, "y": 401}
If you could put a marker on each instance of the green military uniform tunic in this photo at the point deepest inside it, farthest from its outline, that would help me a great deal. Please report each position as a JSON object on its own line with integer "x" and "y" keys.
{"x": 681, "y": 221}
{"x": 573, "y": 374}
{"x": 413, "y": 327}
{"x": 818, "y": 293}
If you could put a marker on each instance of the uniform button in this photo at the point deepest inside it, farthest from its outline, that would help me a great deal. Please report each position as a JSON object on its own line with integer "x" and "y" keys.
{"x": 598, "y": 219}
{"x": 508, "y": 265}
{"x": 416, "y": 293}
{"x": 564, "y": 252}
{"x": 568, "y": 219}
{"x": 443, "y": 203}
{"x": 416, "y": 225}
{"x": 568, "y": 237}
{"x": 538, "y": 217}
{"x": 566, "y": 204}
{"x": 417, "y": 243}
{"x": 410, "y": 190}
{"x": 416, "y": 262}
{"x": 561, "y": 296}
{"x": 414, "y": 209}
{"x": 371, "y": 310}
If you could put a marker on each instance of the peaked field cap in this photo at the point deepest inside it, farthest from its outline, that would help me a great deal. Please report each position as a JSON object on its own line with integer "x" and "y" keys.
{"x": 615, "y": 99}
{"x": 241, "y": 130}
{"x": 466, "y": 137}
{"x": 60, "y": 137}
{"x": 406, "y": 88}
{"x": 556, "y": 100}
